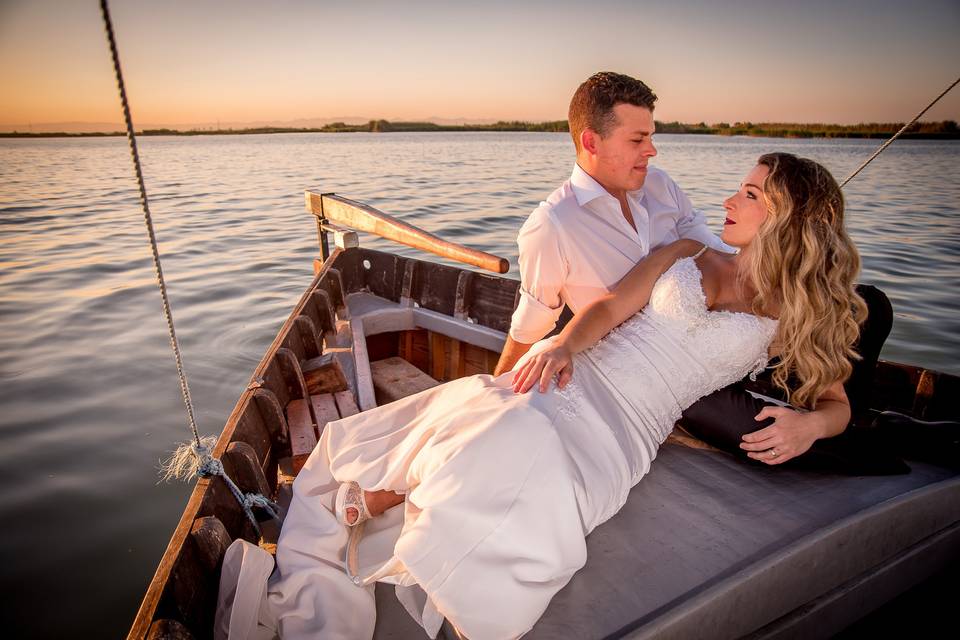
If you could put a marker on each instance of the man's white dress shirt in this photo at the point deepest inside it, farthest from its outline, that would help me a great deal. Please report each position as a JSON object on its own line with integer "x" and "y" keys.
{"x": 577, "y": 245}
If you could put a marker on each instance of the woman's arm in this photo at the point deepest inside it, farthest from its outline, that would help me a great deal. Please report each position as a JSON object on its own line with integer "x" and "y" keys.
{"x": 793, "y": 433}
{"x": 598, "y": 318}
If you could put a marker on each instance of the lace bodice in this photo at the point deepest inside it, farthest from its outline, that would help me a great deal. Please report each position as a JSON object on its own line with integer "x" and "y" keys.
{"x": 675, "y": 351}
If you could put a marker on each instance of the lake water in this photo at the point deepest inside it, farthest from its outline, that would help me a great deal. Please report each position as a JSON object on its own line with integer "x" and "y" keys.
{"x": 91, "y": 400}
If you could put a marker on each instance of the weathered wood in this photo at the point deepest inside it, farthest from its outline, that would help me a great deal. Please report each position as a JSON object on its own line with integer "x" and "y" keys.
{"x": 332, "y": 283}
{"x": 310, "y": 336}
{"x": 241, "y": 463}
{"x": 324, "y": 375}
{"x": 325, "y": 310}
{"x": 212, "y": 540}
{"x": 274, "y": 380}
{"x": 433, "y": 287}
{"x": 294, "y": 343}
{"x": 457, "y": 361}
{"x": 325, "y": 409}
{"x": 492, "y": 301}
{"x": 303, "y": 435}
{"x": 382, "y": 274}
{"x": 194, "y": 589}
{"x": 409, "y": 273}
{"x": 476, "y": 360}
{"x": 271, "y": 412}
{"x": 290, "y": 366}
{"x": 383, "y": 345}
{"x": 166, "y": 629}
{"x": 365, "y": 218}
{"x": 254, "y": 433}
{"x": 462, "y": 301}
{"x": 438, "y": 356}
{"x": 395, "y": 378}
{"x": 346, "y": 404}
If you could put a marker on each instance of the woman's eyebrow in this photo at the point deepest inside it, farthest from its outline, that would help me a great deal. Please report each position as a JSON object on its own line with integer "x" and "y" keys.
{"x": 750, "y": 184}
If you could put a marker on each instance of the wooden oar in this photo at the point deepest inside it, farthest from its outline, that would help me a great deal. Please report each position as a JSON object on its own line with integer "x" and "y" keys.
{"x": 361, "y": 217}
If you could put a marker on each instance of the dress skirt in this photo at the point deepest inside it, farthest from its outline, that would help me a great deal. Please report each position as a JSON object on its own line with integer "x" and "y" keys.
{"x": 501, "y": 490}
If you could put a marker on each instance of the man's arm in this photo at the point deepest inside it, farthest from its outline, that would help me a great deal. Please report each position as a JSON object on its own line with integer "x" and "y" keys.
{"x": 543, "y": 270}
{"x": 599, "y": 317}
{"x": 512, "y": 351}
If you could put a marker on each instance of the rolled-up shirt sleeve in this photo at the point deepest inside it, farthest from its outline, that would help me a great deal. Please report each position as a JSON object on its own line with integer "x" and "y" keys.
{"x": 543, "y": 270}
{"x": 692, "y": 224}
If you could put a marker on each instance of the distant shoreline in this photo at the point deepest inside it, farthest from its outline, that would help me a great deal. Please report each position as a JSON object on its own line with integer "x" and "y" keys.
{"x": 942, "y": 130}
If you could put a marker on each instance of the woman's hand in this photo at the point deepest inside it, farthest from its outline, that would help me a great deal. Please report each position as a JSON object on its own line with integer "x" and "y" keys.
{"x": 557, "y": 359}
{"x": 791, "y": 434}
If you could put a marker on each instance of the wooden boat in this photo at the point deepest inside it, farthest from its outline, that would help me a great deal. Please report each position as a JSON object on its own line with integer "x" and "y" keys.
{"x": 705, "y": 547}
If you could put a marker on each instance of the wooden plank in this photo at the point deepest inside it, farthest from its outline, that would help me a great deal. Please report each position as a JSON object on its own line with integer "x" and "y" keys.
{"x": 438, "y": 357}
{"x": 362, "y": 217}
{"x": 324, "y": 310}
{"x": 212, "y": 540}
{"x": 346, "y": 403}
{"x": 457, "y": 364}
{"x": 383, "y": 345}
{"x": 395, "y": 378}
{"x": 309, "y": 336}
{"x": 324, "y": 374}
{"x": 462, "y": 301}
{"x": 241, "y": 464}
{"x": 271, "y": 412}
{"x": 325, "y": 409}
{"x": 419, "y": 352}
{"x": 303, "y": 436}
{"x": 293, "y": 374}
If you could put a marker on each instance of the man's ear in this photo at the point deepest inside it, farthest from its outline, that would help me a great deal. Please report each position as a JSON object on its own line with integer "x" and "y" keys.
{"x": 588, "y": 141}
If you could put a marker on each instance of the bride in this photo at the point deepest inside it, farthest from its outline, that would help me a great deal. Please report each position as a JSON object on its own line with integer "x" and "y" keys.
{"x": 500, "y": 485}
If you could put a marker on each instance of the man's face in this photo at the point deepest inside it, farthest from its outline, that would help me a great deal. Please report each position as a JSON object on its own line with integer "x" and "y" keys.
{"x": 621, "y": 156}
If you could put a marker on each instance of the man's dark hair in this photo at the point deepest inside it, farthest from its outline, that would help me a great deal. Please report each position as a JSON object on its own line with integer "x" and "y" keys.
{"x": 592, "y": 104}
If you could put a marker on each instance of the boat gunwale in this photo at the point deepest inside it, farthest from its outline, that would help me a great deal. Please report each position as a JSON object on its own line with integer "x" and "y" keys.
{"x": 158, "y": 584}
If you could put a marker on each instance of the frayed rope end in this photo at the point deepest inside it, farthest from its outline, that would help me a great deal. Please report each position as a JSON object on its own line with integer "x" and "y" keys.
{"x": 187, "y": 461}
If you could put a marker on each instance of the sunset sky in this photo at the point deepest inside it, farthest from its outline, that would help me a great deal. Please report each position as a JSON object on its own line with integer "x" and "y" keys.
{"x": 201, "y": 62}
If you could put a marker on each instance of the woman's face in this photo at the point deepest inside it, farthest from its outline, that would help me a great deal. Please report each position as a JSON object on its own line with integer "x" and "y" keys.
{"x": 746, "y": 209}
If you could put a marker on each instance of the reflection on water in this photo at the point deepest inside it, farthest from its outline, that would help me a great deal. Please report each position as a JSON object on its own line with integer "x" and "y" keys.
{"x": 91, "y": 398}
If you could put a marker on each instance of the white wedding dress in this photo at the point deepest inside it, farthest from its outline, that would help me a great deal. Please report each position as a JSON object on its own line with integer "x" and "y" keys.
{"x": 501, "y": 488}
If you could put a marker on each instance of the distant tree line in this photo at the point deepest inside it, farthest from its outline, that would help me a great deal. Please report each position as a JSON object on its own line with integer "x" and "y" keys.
{"x": 944, "y": 129}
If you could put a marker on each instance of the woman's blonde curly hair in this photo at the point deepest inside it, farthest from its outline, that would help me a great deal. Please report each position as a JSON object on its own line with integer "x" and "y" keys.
{"x": 803, "y": 262}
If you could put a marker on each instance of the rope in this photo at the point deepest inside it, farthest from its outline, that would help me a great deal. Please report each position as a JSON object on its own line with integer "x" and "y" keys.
{"x": 897, "y": 134}
{"x": 193, "y": 458}
{"x": 131, "y": 137}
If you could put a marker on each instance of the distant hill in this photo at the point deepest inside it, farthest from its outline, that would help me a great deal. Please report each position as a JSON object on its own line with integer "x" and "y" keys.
{"x": 941, "y": 130}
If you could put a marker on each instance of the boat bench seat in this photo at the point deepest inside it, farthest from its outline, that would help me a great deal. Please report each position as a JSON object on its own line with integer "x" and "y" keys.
{"x": 708, "y": 546}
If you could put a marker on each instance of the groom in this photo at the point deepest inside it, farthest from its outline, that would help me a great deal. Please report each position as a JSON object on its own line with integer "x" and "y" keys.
{"x": 613, "y": 211}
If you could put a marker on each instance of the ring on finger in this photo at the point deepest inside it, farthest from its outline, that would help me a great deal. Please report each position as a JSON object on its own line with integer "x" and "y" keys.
{"x": 773, "y": 452}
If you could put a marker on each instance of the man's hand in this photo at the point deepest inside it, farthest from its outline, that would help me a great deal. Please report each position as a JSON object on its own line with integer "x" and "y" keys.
{"x": 790, "y": 435}
{"x": 556, "y": 360}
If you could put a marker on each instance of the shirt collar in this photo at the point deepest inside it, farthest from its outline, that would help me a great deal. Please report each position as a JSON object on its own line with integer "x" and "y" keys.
{"x": 586, "y": 189}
